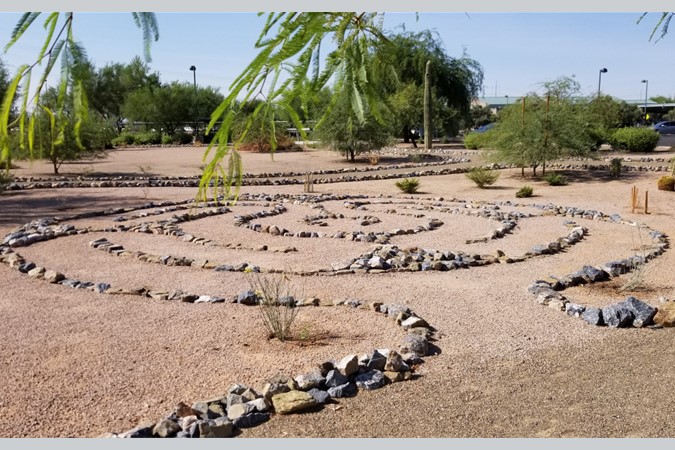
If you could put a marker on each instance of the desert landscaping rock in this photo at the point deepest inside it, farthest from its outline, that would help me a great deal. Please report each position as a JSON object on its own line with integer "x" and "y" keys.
{"x": 293, "y": 401}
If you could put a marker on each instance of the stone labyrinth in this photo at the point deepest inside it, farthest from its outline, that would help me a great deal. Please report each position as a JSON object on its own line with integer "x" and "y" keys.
{"x": 317, "y": 236}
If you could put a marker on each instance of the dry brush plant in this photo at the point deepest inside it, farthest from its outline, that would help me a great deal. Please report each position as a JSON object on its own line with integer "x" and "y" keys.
{"x": 638, "y": 264}
{"x": 482, "y": 177}
{"x": 276, "y": 302}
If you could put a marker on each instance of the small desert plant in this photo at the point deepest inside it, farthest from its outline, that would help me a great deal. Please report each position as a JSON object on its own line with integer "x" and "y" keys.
{"x": 615, "y": 167}
{"x": 555, "y": 179}
{"x": 525, "y": 191}
{"x": 482, "y": 176}
{"x": 374, "y": 159}
{"x": 408, "y": 185}
{"x": 666, "y": 183}
{"x": 638, "y": 264}
{"x": 277, "y": 304}
{"x": 416, "y": 157}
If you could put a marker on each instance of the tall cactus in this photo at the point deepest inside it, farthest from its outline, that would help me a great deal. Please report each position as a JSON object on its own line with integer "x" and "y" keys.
{"x": 427, "y": 106}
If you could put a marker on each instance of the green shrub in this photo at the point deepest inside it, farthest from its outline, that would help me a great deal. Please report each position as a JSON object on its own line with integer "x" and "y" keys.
{"x": 482, "y": 176}
{"x": 408, "y": 185}
{"x": 147, "y": 138}
{"x": 634, "y": 139}
{"x": 166, "y": 139}
{"x": 123, "y": 139}
{"x": 474, "y": 141}
{"x": 182, "y": 138}
{"x": 5, "y": 179}
{"x": 666, "y": 183}
{"x": 525, "y": 191}
{"x": 615, "y": 167}
{"x": 555, "y": 179}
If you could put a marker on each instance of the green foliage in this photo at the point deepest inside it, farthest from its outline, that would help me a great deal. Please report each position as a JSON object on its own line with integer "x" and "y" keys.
{"x": 548, "y": 129}
{"x": 615, "y": 167}
{"x": 474, "y": 140}
{"x": 555, "y": 179}
{"x": 408, "y": 185}
{"x": 666, "y": 183}
{"x": 5, "y": 179}
{"x": 343, "y": 132}
{"x": 524, "y": 192}
{"x": 70, "y": 109}
{"x": 124, "y": 139}
{"x": 634, "y": 139}
{"x": 454, "y": 82}
{"x": 481, "y": 115}
{"x": 482, "y": 177}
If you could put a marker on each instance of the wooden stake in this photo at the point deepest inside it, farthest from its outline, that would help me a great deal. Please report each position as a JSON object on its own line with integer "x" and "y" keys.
{"x": 633, "y": 199}
{"x": 646, "y": 202}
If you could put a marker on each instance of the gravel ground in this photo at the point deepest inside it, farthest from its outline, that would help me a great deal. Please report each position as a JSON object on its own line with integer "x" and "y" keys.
{"x": 76, "y": 363}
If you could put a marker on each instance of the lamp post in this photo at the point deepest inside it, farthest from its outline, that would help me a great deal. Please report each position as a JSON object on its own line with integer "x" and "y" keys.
{"x": 194, "y": 102}
{"x": 603, "y": 70}
{"x": 646, "y": 89}
{"x": 507, "y": 100}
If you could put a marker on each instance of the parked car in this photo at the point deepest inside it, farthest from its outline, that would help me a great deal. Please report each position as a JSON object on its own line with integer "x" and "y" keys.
{"x": 665, "y": 127}
{"x": 484, "y": 128}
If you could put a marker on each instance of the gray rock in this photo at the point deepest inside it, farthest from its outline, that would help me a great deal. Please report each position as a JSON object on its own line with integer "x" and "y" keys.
{"x": 142, "y": 430}
{"x": 335, "y": 378}
{"x": 287, "y": 300}
{"x": 415, "y": 344}
{"x": 320, "y": 396}
{"x": 247, "y": 298}
{"x": 310, "y": 381}
{"x": 343, "y": 390}
{"x": 274, "y": 388}
{"x": 594, "y": 275}
{"x": 240, "y": 409}
{"x": 373, "y": 379}
{"x": 572, "y": 309}
{"x": 233, "y": 399}
{"x": 395, "y": 363}
{"x": 348, "y": 365}
{"x": 101, "y": 287}
{"x": 201, "y": 409}
{"x": 251, "y": 420}
{"x": 216, "y": 428}
{"x": 215, "y": 410}
{"x": 414, "y": 322}
{"x": 166, "y": 428}
{"x": 642, "y": 312}
{"x": 26, "y": 267}
{"x": 376, "y": 361}
{"x": 617, "y": 316}
{"x": 261, "y": 404}
{"x": 238, "y": 389}
{"x": 53, "y": 276}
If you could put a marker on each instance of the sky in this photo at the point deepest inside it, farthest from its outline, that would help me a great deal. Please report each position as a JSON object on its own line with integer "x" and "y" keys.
{"x": 518, "y": 51}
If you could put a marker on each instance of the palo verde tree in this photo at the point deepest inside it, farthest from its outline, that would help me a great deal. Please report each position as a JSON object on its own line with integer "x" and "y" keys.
{"x": 541, "y": 129}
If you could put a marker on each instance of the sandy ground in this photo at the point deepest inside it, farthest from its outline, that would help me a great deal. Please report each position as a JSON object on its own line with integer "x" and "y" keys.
{"x": 76, "y": 363}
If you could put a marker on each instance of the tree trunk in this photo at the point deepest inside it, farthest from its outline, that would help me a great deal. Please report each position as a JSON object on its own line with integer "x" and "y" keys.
{"x": 406, "y": 134}
{"x": 427, "y": 107}
{"x": 522, "y": 171}
{"x": 352, "y": 154}
{"x": 56, "y": 165}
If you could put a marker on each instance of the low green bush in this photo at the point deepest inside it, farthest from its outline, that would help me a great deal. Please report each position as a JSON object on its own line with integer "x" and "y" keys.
{"x": 482, "y": 177}
{"x": 634, "y": 139}
{"x": 525, "y": 191}
{"x": 474, "y": 141}
{"x": 5, "y": 179}
{"x": 147, "y": 138}
{"x": 123, "y": 139}
{"x": 408, "y": 185}
{"x": 166, "y": 139}
{"x": 555, "y": 179}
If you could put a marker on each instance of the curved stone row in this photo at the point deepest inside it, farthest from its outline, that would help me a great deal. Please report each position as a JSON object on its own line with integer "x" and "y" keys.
{"x": 244, "y": 407}
{"x": 631, "y": 312}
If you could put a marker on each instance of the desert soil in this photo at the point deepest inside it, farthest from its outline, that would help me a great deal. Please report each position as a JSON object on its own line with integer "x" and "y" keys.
{"x": 77, "y": 363}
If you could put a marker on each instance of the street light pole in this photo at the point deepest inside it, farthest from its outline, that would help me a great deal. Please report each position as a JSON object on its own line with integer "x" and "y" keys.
{"x": 194, "y": 102}
{"x": 507, "y": 100}
{"x": 603, "y": 70}
{"x": 646, "y": 89}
